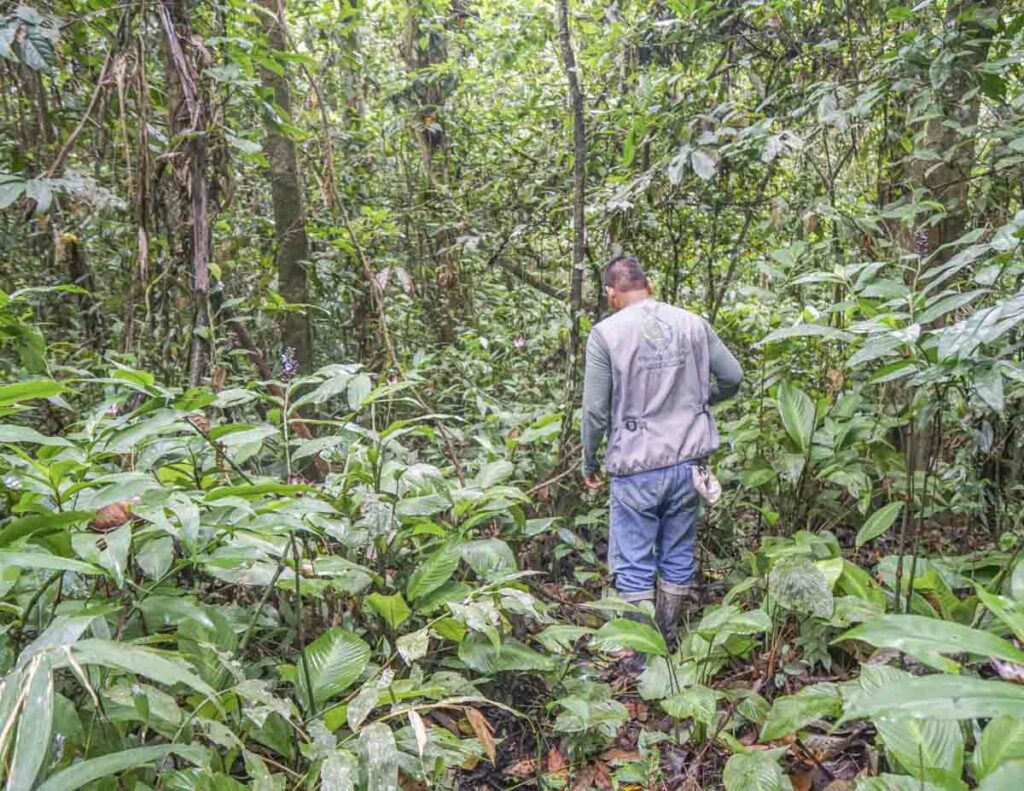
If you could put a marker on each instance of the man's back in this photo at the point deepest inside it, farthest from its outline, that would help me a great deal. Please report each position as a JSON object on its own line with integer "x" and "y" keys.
{"x": 660, "y": 387}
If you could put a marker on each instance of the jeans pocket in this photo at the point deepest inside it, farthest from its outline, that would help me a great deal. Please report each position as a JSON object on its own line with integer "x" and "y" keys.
{"x": 638, "y": 492}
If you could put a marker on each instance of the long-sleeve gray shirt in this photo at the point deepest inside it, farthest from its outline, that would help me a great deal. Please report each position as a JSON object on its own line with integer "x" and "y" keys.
{"x": 597, "y": 390}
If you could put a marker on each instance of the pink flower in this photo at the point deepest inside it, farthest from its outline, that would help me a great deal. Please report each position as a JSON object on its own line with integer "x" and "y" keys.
{"x": 519, "y": 342}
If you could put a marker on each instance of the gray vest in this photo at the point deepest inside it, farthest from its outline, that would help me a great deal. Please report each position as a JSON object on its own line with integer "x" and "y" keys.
{"x": 661, "y": 387}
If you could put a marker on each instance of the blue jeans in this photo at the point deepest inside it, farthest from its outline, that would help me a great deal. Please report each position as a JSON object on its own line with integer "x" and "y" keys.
{"x": 653, "y": 530}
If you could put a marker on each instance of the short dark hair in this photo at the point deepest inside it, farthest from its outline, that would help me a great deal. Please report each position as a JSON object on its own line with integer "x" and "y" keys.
{"x": 624, "y": 273}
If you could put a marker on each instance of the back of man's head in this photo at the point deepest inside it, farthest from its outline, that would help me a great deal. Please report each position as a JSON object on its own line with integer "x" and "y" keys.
{"x": 624, "y": 273}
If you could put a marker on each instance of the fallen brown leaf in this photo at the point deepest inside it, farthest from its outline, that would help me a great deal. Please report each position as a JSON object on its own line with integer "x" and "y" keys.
{"x": 618, "y": 754}
{"x": 557, "y": 765}
{"x": 801, "y": 781}
{"x": 483, "y": 730}
{"x": 523, "y": 769}
{"x": 595, "y": 776}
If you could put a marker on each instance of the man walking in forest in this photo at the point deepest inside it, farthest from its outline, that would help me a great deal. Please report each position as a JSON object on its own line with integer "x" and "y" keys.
{"x": 648, "y": 387}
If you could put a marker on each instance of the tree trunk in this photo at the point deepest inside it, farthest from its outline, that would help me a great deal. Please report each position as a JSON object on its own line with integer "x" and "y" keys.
{"x": 423, "y": 49}
{"x": 950, "y": 133}
{"x": 188, "y": 113}
{"x": 286, "y": 190}
{"x": 579, "y": 241}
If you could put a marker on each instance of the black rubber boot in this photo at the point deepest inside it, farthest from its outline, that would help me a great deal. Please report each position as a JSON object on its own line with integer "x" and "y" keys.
{"x": 673, "y": 602}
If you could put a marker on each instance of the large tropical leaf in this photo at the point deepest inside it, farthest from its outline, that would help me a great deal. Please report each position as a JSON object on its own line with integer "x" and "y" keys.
{"x": 29, "y": 390}
{"x": 624, "y": 633}
{"x": 1008, "y": 777}
{"x": 85, "y": 772}
{"x": 142, "y": 661}
{"x": 1001, "y": 741}
{"x": 434, "y": 572}
{"x": 797, "y": 584}
{"x": 929, "y": 749}
{"x": 928, "y": 639}
{"x": 334, "y": 661}
{"x": 792, "y": 712}
{"x": 1009, "y": 612}
{"x": 478, "y": 653}
{"x": 757, "y": 770}
{"x": 897, "y": 783}
{"x": 943, "y": 697}
{"x": 696, "y": 702}
{"x": 34, "y": 726}
{"x": 392, "y": 609}
{"x": 377, "y": 744}
{"x": 797, "y": 411}
{"x": 876, "y": 524}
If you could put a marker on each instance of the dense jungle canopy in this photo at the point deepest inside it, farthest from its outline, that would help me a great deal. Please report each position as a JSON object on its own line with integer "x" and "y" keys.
{"x": 293, "y": 302}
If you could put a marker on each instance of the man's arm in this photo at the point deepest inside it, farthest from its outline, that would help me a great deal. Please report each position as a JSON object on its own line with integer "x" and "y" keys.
{"x": 724, "y": 368}
{"x": 597, "y": 401}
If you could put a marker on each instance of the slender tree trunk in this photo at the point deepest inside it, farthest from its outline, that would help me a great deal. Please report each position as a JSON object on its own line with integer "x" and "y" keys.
{"x": 188, "y": 116}
{"x": 951, "y": 134}
{"x": 286, "y": 190}
{"x": 423, "y": 49}
{"x": 579, "y": 239}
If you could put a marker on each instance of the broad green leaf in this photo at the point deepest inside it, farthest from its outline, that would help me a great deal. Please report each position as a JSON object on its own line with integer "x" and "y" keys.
{"x": 29, "y": 390}
{"x": 885, "y": 782}
{"x": 805, "y": 331}
{"x": 1009, "y": 612}
{"x": 792, "y": 712}
{"x": 477, "y": 652}
{"x": 797, "y": 584}
{"x": 434, "y": 572}
{"x": 254, "y": 490}
{"x": 797, "y": 411}
{"x": 335, "y": 660}
{"x": 135, "y": 659}
{"x": 413, "y": 646}
{"x": 377, "y": 744}
{"x": 427, "y": 505}
{"x": 155, "y": 556}
{"x": 928, "y": 638}
{"x": 1008, "y": 777}
{"x": 1001, "y": 741}
{"x": 880, "y": 521}
{"x": 494, "y": 473}
{"x": 697, "y": 703}
{"x": 23, "y": 434}
{"x": 561, "y": 637}
{"x": 85, "y": 772}
{"x": 39, "y": 560}
{"x": 392, "y": 609}
{"x": 941, "y": 696}
{"x": 359, "y": 390}
{"x": 623, "y": 633}
{"x": 34, "y": 726}
{"x": 489, "y": 557}
{"x": 757, "y": 770}
{"x": 365, "y": 701}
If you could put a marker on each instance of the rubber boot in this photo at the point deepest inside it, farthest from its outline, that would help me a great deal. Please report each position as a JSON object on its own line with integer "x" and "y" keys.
{"x": 672, "y": 603}
{"x": 635, "y": 663}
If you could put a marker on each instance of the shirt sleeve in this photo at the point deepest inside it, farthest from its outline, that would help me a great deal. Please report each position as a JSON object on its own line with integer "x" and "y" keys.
{"x": 725, "y": 369}
{"x": 597, "y": 400}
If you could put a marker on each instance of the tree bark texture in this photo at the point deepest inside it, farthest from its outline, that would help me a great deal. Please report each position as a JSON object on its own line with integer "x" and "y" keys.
{"x": 579, "y": 239}
{"x": 188, "y": 116}
{"x": 287, "y": 197}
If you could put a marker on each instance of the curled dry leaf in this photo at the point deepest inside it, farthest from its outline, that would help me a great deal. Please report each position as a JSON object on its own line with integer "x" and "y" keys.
{"x": 483, "y": 730}
{"x": 558, "y": 767}
{"x": 523, "y": 769}
{"x": 113, "y": 515}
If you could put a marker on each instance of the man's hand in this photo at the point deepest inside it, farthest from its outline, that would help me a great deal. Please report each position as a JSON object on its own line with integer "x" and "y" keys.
{"x": 592, "y": 482}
